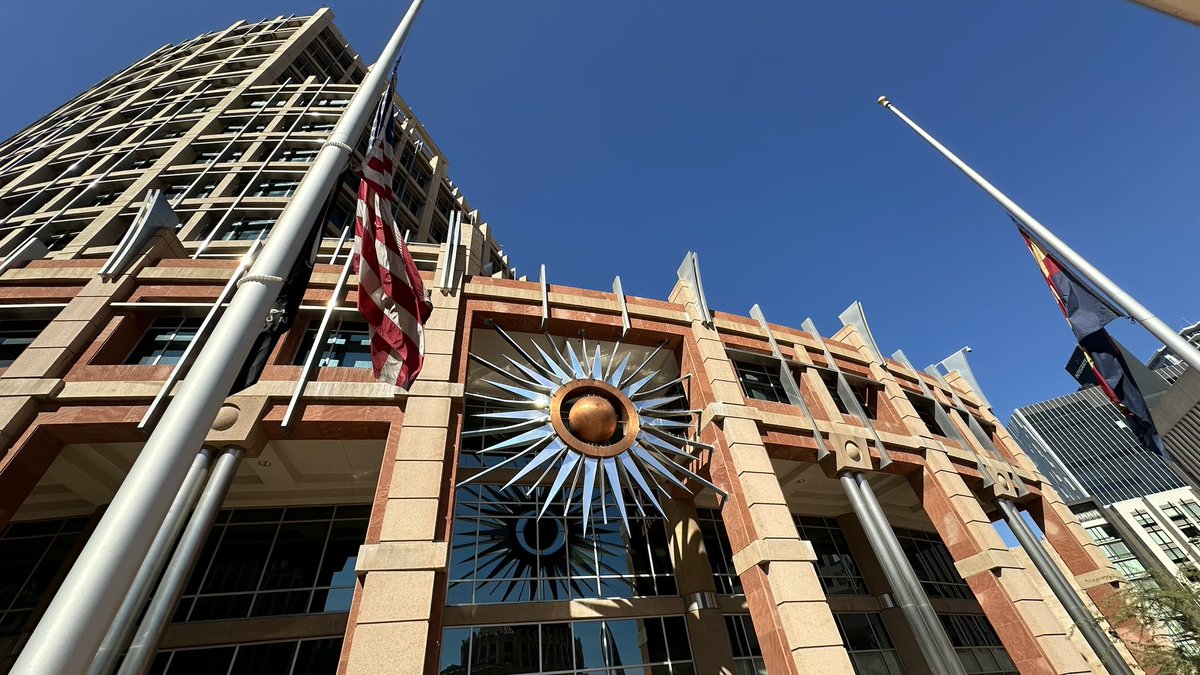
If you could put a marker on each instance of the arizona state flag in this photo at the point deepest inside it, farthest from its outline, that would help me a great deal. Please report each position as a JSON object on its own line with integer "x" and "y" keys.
{"x": 1088, "y": 314}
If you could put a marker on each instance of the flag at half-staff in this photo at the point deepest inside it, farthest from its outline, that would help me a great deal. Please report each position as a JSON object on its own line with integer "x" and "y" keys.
{"x": 391, "y": 295}
{"x": 1088, "y": 314}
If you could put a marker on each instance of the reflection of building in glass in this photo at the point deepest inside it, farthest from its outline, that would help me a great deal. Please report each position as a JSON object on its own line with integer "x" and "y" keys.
{"x": 580, "y": 481}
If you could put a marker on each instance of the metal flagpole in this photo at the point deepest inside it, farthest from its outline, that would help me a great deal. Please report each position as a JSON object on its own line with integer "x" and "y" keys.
{"x": 140, "y": 656}
{"x": 74, "y": 624}
{"x": 122, "y": 628}
{"x": 1091, "y": 631}
{"x": 1182, "y": 348}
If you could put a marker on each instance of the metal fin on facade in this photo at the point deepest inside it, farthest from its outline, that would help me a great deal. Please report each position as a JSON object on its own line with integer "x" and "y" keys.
{"x": 154, "y": 215}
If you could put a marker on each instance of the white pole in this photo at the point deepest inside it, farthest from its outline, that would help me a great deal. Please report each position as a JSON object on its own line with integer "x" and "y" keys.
{"x": 1182, "y": 348}
{"x": 76, "y": 621}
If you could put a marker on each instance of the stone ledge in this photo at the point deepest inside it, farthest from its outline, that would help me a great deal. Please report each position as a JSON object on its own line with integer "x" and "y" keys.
{"x": 986, "y": 561}
{"x": 42, "y": 387}
{"x": 769, "y": 550}
{"x": 397, "y": 555}
{"x": 1100, "y": 577}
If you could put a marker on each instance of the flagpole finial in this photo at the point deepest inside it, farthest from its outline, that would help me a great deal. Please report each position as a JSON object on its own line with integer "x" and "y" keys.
{"x": 883, "y": 101}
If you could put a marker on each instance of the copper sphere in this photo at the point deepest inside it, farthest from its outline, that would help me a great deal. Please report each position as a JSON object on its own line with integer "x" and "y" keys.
{"x": 593, "y": 419}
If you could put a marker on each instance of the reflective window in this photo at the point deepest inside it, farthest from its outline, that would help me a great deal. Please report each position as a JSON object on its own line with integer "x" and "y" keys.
{"x": 870, "y": 647}
{"x": 719, "y": 551}
{"x": 31, "y": 555}
{"x": 760, "y": 381}
{"x": 978, "y": 647}
{"x": 502, "y": 551}
{"x": 247, "y": 229}
{"x": 276, "y": 188}
{"x": 164, "y": 341}
{"x": 655, "y": 645}
{"x": 933, "y": 564}
{"x": 57, "y": 241}
{"x": 297, "y": 657}
{"x": 297, "y": 155}
{"x": 267, "y": 562}
{"x": 835, "y": 566}
{"x": 15, "y": 336}
{"x": 347, "y": 345}
{"x": 747, "y": 655}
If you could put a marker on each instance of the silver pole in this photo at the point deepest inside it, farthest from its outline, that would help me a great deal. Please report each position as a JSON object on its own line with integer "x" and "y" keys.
{"x": 185, "y": 359}
{"x": 1088, "y": 627}
{"x": 318, "y": 345}
{"x": 931, "y": 639}
{"x": 123, "y": 626}
{"x": 1182, "y": 348}
{"x": 888, "y": 539}
{"x": 89, "y": 597}
{"x": 141, "y": 653}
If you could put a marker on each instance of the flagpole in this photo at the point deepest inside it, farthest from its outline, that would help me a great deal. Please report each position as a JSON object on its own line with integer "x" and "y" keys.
{"x": 73, "y": 626}
{"x": 1138, "y": 312}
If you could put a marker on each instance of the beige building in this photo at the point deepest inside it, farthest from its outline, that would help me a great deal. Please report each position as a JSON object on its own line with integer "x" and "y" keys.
{"x": 578, "y": 481}
{"x": 1187, "y": 10}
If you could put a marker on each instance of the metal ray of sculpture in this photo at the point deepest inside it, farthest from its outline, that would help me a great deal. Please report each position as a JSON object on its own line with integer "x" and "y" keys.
{"x": 516, "y": 548}
{"x": 589, "y": 427}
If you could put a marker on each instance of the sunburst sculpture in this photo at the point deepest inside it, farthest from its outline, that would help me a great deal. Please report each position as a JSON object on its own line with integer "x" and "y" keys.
{"x": 590, "y": 427}
{"x": 516, "y": 548}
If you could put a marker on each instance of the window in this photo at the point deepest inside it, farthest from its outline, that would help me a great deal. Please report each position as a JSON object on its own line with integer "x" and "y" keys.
{"x": 747, "y": 655}
{"x": 657, "y": 645}
{"x": 870, "y": 647}
{"x": 295, "y": 657}
{"x": 247, "y": 229}
{"x": 269, "y": 562}
{"x": 924, "y": 407}
{"x": 348, "y": 345}
{"x": 411, "y": 202}
{"x": 235, "y": 127}
{"x": 316, "y": 127}
{"x": 164, "y": 341}
{"x": 830, "y": 379}
{"x": 719, "y": 551}
{"x": 296, "y": 155}
{"x": 760, "y": 381}
{"x": 173, "y": 192}
{"x": 978, "y": 647}
{"x": 31, "y": 554}
{"x": 57, "y": 241}
{"x": 15, "y": 336}
{"x": 206, "y": 157}
{"x": 1160, "y": 536}
{"x": 141, "y": 162}
{"x": 276, "y": 188}
{"x": 328, "y": 102}
{"x": 502, "y": 552}
{"x": 933, "y": 564}
{"x": 835, "y": 566}
{"x": 867, "y": 396}
{"x": 105, "y": 198}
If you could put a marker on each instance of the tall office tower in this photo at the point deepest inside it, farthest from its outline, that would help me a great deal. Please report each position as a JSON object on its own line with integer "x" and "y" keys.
{"x": 1082, "y": 443}
{"x": 1129, "y": 500}
{"x": 579, "y": 480}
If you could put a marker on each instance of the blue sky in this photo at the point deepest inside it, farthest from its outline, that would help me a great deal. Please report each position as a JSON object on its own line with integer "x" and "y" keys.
{"x": 606, "y": 138}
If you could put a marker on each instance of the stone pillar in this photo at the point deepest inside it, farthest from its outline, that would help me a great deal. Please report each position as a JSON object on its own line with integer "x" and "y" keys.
{"x": 787, "y": 605}
{"x": 395, "y": 624}
{"x": 1083, "y": 563}
{"x": 711, "y": 651}
{"x": 1034, "y": 638}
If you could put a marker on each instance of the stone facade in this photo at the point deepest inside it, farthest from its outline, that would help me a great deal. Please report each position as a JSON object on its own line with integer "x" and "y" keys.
{"x": 772, "y": 571}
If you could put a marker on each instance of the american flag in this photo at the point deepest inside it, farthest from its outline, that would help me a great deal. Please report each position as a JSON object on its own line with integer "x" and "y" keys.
{"x": 391, "y": 295}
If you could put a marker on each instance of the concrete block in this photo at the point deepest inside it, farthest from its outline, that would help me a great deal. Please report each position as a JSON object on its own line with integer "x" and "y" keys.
{"x": 388, "y": 649}
{"x": 409, "y": 520}
{"x": 396, "y": 596}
